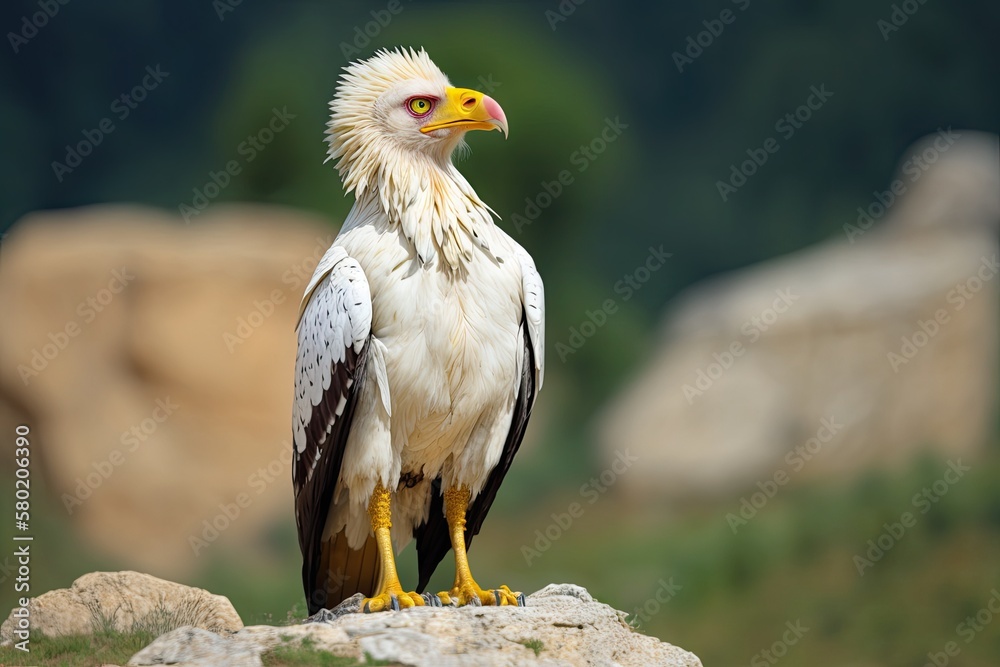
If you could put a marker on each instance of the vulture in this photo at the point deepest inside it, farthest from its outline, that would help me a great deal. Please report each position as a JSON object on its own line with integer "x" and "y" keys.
{"x": 420, "y": 347}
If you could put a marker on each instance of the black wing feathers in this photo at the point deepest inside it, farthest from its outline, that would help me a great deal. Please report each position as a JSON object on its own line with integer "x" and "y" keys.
{"x": 313, "y": 495}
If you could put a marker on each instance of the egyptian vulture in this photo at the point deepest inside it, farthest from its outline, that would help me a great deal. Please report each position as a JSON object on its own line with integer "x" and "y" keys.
{"x": 420, "y": 346}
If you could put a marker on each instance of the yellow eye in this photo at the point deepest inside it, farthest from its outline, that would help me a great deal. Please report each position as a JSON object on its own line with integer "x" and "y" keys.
{"x": 419, "y": 105}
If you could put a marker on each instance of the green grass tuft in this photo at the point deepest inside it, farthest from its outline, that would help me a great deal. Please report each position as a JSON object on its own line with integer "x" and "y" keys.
{"x": 535, "y": 645}
{"x": 78, "y": 650}
{"x": 304, "y": 654}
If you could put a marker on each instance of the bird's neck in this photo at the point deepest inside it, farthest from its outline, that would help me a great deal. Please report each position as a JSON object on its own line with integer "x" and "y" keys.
{"x": 433, "y": 206}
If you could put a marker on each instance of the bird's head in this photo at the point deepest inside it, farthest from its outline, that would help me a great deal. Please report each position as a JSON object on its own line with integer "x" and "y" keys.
{"x": 398, "y": 107}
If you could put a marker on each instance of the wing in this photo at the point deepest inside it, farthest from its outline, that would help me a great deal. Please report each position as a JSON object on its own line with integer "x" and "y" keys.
{"x": 334, "y": 330}
{"x": 432, "y": 537}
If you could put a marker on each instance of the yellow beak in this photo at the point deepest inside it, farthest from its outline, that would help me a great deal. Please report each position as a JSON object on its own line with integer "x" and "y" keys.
{"x": 464, "y": 109}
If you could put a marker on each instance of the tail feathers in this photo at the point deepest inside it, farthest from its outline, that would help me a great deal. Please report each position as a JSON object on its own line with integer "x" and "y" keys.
{"x": 345, "y": 571}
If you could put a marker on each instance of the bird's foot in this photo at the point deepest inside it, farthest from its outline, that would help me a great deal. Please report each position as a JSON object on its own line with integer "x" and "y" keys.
{"x": 471, "y": 593}
{"x": 392, "y": 598}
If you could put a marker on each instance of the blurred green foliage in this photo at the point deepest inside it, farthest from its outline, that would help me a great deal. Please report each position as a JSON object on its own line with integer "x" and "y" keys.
{"x": 655, "y": 185}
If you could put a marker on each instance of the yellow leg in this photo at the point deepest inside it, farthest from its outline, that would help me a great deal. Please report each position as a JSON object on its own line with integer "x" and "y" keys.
{"x": 391, "y": 595}
{"x": 466, "y": 590}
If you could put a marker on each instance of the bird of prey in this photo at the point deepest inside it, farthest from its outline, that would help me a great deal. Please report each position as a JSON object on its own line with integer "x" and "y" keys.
{"x": 420, "y": 346}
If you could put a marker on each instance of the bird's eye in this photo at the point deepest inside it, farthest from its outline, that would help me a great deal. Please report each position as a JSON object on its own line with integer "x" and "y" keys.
{"x": 420, "y": 106}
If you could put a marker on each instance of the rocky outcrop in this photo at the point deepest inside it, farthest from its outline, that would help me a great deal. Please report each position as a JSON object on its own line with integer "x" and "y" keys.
{"x": 855, "y": 353}
{"x": 124, "y": 602}
{"x": 153, "y": 362}
{"x": 562, "y": 625}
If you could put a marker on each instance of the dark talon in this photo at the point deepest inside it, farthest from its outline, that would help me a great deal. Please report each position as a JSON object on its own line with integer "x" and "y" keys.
{"x": 476, "y": 602}
{"x": 521, "y": 602}
{"x": 431, "y": 600}
{"x": 393, "y": 603}
{"x": 367, "y": 608}
{"x": 499, "y": 597}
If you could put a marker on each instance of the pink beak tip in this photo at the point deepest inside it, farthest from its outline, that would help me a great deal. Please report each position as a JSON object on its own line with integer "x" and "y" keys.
{"x": 493, "y": 109}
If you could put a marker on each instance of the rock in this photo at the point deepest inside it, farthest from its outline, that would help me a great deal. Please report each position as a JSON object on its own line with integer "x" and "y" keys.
{"x": 161, "y": 402}
{"x": 153, "y": 362}
{"x": 563, "y": 623}
{"x": 857, "y": 353}
{"x": 125, "y": 602}
{"x": 194, "y": 647}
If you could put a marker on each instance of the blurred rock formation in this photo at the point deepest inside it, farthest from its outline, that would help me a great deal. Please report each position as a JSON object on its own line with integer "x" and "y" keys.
{"x": 859, "y": 352}
{"x": 123, "y": 602}
{"x": 153, "y": 364}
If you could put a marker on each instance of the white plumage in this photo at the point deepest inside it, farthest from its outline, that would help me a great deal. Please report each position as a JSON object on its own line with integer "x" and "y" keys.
{"x": 415, "y": 328}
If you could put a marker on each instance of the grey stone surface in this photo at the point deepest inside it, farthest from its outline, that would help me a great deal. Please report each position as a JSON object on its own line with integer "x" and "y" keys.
{"x": 571, "y": 627}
